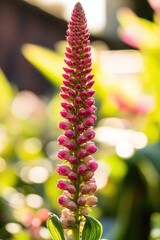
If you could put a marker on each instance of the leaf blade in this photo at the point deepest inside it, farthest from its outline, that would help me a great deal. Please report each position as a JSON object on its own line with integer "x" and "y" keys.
{"x": 55, "y": 228}
{"x": 92, "y": 229}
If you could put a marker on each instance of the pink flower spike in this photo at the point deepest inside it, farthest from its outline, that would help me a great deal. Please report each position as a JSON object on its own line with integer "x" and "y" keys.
{"x": 78, "y": 111}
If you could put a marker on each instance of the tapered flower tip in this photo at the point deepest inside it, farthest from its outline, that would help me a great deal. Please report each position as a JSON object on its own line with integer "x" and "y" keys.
{"x": 78, "y": 6}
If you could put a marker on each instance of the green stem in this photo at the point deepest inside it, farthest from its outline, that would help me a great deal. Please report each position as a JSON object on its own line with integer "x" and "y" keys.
{"x": 76, "y": 229}
{"x": 76, "y": 232}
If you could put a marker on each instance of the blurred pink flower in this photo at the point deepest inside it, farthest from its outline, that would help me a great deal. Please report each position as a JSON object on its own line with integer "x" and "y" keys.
{"x": 155, "y": 4}
{"x": 141, "y": 106}
{"x": 33, "y": 221}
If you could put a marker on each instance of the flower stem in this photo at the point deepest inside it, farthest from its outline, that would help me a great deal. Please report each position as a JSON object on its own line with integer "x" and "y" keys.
{"x": 76, "y": 232}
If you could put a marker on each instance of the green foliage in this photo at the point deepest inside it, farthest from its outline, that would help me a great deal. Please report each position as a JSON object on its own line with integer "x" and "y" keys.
{"x": 55, "y": 228}
{"x": 155, "y": 226}
{"x": 6, "y": 92}
{"x": 46, "y": 61}
{"x": 92, "y": 229}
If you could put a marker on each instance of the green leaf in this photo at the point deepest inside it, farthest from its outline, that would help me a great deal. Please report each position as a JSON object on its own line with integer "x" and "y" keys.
{"x": 6, "y": 93}
{"x": 45, "y": 60}
{"x": 92, "y": 229}
{"x": 55, "y": 228}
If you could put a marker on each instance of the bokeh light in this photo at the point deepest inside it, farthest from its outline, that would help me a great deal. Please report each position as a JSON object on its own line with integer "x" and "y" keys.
{"x": 38, "y": 174}
{"x": 13, "y": 228}
{"x": 34, "y": 201}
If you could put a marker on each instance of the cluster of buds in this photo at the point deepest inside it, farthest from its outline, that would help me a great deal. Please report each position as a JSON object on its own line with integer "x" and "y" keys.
{"x": 78, "y": 183}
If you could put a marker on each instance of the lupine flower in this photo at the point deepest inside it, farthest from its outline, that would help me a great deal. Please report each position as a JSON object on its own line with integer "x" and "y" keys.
{"x": 78, "y": 112}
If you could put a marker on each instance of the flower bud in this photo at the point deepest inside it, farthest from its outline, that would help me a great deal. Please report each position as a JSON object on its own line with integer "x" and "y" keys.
{"x": 93, "y": 187}
{"x": 84, "y": 211}
{"x": 88, "y": 175}
{"x": 65, "y": 213}
{"x": 91, "y": 148}
{"x": 69, "y": 133}
{"x": 90, "y": 92}
{"x": 92, "y": 165}
{"x": 71, "y": 206}
{"x": 72, "y": 176}
{"x": 78, "y": 100}
{"x": 81, "y": 139}
{"x": 70, "y": 145}
{"x": 71, "y": 220}
{"x": 73, "y": 159}
{"x": 71, "y": 189}
{"x": 63, "y": 200}
{"x": 82, "y": 153}
{"x": 81, "y": 201}
{"x": 91, "y": 201}
{"x": 63, "y": 184}
{"x": 80, "y": 128}
{"x": 62, "y": 140}
{"x": 85, "y": 189}
{"x": 64, "y": 125}
{"x": 63, "y": 154}
{"x": 89, "y": 102}
{"x": 90, "y": 77}
{"x": 89, "y": 122}
{"x": 63, "y": 170}
{"x": 89, "y": 134}
{"x": 82, "y": 169}
{"x": 64, "y": 222}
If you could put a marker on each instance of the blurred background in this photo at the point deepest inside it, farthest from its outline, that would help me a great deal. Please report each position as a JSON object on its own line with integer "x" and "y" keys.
{"x": 125, "y": 39}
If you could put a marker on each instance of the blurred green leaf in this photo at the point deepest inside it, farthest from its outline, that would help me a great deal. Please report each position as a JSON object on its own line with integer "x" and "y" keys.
{"x": 155, "y": 226}
{"x": 55, "y": 228}
{"x": 6, "y": 93}
{"x": 92, "y": 229}
{"x": 46, "y": 61}
{"x": 8, "y": 178}
{"x": 21, "y": 235}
